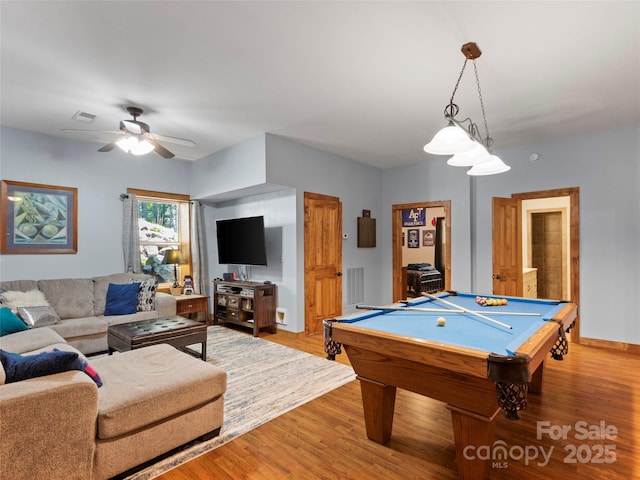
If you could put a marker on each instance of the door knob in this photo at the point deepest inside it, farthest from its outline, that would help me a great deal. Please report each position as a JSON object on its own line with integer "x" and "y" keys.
{"x": 498, "y": 277}
{"x": 338, "y": 274}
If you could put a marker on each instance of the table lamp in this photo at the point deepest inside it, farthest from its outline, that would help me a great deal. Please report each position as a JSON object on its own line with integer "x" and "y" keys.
{"x": 174, "y": 257}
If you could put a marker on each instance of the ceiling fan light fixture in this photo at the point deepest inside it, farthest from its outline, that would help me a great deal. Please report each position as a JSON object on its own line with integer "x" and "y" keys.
{"x": 135, "y": 146}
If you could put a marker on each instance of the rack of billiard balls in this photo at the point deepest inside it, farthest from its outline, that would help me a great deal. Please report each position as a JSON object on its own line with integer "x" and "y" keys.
{"x": 491, "y": 302}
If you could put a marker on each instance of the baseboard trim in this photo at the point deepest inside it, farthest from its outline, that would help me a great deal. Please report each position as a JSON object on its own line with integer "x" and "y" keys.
{"x": 288, "y": 333}
{"x": 624, "y": 347}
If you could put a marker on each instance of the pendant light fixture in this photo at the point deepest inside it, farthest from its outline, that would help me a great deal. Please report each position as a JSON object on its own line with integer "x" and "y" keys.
{"x": 461, "y": 138}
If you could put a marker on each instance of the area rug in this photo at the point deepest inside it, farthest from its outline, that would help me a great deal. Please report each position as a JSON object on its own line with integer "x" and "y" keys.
{"x": 264, "y": 380}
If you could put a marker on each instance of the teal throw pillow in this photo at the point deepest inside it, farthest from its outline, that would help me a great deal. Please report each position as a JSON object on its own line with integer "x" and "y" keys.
{"x": 10, "y": 323}
{"x": 122, "y": 299}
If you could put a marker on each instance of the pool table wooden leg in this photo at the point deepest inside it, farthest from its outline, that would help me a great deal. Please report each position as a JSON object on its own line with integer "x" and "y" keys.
{"x": 471, "y": 431}
{"x": 378, "y": 401}
{"x": 535, "y": 385}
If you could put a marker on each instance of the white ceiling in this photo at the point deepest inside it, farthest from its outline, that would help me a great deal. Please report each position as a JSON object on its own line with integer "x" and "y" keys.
{"x": 366, "y": 80}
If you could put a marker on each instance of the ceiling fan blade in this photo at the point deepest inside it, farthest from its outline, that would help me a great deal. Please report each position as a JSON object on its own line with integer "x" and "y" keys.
{"x": 178, "y": 141}
{"x": 159, "y": 148}
{"x": 90, "y": 131}
{"x": 108, "y": 147}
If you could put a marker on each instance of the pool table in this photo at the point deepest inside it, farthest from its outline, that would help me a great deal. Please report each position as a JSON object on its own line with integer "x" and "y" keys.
{"x": 477, "y": 363}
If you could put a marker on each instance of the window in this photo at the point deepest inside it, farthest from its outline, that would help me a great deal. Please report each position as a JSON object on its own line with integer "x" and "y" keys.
{"x": 163, "y": 222}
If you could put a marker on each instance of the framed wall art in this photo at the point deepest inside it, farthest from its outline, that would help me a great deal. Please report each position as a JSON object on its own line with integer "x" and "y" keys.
{"x": 39, "y": 218}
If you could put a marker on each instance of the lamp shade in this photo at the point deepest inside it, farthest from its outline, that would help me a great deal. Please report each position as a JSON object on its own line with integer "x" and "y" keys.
{"x": 491, "y": 167}
{"x": 475, "y": 156}
{"x": 173, "y": 257}
{"x": 449, "y": 141}
{"x": 132, "y": 144}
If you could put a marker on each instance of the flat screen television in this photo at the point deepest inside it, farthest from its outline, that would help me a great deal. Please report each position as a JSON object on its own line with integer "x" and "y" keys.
{"x": 241, "y": 241}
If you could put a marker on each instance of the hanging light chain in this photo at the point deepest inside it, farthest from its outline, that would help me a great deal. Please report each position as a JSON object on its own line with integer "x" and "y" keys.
{"x": 488, "y": 140}
{"x": 452, "y": 109}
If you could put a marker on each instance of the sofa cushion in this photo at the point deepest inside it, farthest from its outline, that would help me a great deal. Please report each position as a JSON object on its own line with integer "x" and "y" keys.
{"x": 20, "y": 285}
{"x": 80, "y": 327}
{"x": 30, "y": 340}
{"x": 70, "y": 297}
{"x": 122, "y": 299}
{"x": 148, "y": 385}
{"x": 16, "y": 298}
{"x": 10, "y": 323}
{"x": 36, "y": 317}
{"x": 18, "y": 367}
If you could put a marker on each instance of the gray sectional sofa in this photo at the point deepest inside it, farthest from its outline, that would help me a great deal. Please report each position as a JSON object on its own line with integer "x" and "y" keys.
{"x": 80, "y": 306}
{"x": 91, "y": 423}
{"x": 62, "y": 426}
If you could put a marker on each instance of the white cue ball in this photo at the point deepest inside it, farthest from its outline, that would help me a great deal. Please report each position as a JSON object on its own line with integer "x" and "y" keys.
{"x": 441, "y": 321}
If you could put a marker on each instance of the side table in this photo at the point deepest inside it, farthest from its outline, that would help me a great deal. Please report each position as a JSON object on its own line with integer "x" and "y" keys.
{"x": 193, "y": 306}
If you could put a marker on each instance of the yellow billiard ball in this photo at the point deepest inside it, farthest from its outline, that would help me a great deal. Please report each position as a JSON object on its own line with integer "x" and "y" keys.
{"x": 441, "y": 321}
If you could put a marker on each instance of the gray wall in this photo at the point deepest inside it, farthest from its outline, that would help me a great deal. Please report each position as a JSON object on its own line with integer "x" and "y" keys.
{"x": 277, "y": 172}
{"x": 100, "y": 179}
{"x": 606, "y": 168}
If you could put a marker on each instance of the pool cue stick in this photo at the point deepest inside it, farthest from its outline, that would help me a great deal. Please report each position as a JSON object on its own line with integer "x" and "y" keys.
{"x": 441, "y": 310}
{"x": 433, "y": 297}
{"x": 515, "y": 314}
{"x": 410, "y": 309}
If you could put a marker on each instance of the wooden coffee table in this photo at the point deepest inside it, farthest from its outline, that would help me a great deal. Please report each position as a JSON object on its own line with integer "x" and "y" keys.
{"x": 177, "y": 331}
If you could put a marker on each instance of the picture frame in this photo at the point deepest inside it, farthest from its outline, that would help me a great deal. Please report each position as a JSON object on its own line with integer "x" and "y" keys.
{"x": 428, "y": 238}
{"x": 413, "y": 240}
{"x": 38, "y": 219}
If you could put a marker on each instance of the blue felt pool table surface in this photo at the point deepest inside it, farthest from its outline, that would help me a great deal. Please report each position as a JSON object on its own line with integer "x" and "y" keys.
{"x": 462, "y": 329}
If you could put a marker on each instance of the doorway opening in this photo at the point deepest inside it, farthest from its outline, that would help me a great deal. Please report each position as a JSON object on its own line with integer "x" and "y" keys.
{"x": 430, "y": 239}
{"x": 551, "y": 244}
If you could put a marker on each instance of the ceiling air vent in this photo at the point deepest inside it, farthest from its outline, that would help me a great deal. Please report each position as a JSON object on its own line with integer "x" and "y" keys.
{"x": 83, "y": 117}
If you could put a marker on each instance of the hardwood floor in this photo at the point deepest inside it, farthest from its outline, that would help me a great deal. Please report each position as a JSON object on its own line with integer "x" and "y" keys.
{"x": 326, "y": 439}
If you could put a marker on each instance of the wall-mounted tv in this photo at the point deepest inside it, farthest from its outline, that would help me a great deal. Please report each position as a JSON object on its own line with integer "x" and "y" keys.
{"x": 241, "y": 241}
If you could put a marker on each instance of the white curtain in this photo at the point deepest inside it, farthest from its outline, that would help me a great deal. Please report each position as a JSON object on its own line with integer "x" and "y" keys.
{"x": 199, "y": 250}
{"x": 130, "y": 234}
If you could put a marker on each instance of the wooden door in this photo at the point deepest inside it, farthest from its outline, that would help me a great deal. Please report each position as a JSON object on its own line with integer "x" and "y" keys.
{"x": 322, "y": 260}
{"x": 507, "y": 247}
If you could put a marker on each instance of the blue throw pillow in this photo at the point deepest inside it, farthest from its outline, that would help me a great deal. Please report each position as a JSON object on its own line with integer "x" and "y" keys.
{"x": 122, "y": 299}
{"x": 82, "y": 365}
{"x": 18, "y": 367}
{"x": 10, "y": 323}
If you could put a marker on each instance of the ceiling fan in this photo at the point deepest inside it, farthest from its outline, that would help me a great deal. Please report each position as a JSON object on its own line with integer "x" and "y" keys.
{"x": 137, "y": 139}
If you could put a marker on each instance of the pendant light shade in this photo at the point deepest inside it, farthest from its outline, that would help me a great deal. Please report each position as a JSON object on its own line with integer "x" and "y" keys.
{"x": 449, "y": 141}
{"x": 477, "y": 155}
{"x": 493, "y": 166}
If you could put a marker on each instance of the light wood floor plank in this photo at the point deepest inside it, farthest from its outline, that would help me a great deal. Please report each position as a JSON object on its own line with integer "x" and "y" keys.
{"x": 326, "y": 438}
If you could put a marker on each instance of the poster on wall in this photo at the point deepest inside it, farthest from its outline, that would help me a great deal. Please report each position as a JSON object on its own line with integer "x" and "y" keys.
{"x": 414, "y": 217}
{"x": 428, "y": 238}
{"x": 38, "y": 218}
{"x": 413, "y": 238}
